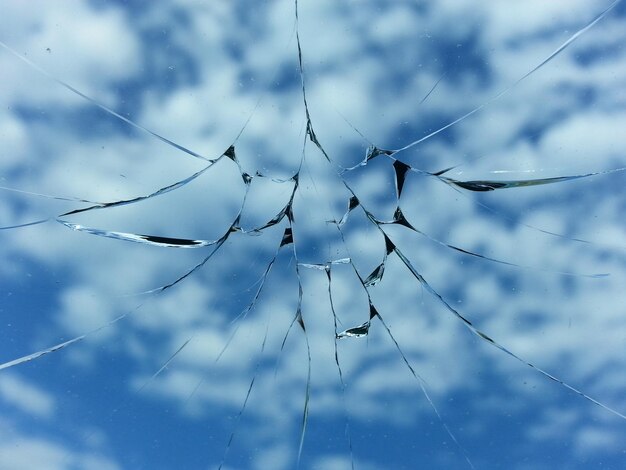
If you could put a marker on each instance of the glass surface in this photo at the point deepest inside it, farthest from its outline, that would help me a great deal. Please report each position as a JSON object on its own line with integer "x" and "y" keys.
{"x": 170, "y": 307}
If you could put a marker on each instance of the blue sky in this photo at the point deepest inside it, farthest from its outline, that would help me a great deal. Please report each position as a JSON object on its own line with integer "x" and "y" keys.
{"x": 208, "y": 75}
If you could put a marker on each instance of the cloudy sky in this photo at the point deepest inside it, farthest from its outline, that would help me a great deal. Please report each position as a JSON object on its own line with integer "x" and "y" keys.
{"x": 213, "y": 369}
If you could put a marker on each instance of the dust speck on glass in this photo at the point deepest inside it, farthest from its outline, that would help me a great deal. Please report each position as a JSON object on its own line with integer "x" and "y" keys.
{"x": 313, "y": 234}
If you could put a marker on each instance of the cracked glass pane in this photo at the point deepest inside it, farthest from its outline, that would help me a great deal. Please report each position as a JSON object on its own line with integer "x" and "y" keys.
{"x": 312, "y": 234}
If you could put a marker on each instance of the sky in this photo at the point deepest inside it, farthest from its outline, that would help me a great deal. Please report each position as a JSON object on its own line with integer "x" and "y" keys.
{"x": 197, "y": 297}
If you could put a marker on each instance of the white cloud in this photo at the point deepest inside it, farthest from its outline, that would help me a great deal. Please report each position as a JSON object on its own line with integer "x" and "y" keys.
{"x": 27, "y": 397}
{"x": 28, "y": 453}
{"x": 539, "y": 126}
{"x": 77, "y": 47}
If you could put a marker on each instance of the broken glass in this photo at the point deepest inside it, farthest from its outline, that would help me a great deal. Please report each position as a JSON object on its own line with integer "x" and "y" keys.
{"x": 364, "y": 235}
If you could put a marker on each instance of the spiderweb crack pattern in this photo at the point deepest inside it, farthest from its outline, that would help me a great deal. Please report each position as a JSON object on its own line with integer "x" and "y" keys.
{"x": 310, "y": 263}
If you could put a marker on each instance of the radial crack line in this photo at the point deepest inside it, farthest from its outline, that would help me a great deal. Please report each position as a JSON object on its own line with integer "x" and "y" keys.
{"x": 511, "y": 219}
{"x": 286, "y": 239}
{"x": 389, "y": 243}
{"x": 402, "y": 168}
{"x": 557, "y": 51}
{"x": 307, "y": 394}
{"x": 101, "y": 105}
{"x": 134, "y": 200}
{"x": 468, "y": 324}
{"x": 27, "y": 224}
{"x": 121, "y": 202}
{"x": 373, "y": 312}
{"x": 234, "y": 227}
{"x": 400, "y": 219}
{"x": 432, "y": 89}
{"x": 420, "y": 381}
{"x": 309, "y": 124}
{"x": 165, "y": 365}
{"x": 300, "y": 320}
{"x": 64, "y": 344}
{"x": 199, "y": 265}
{"x": 48, "y": 196}
{"x": 153, "y": 240}
{"x": 287, "y": 210}
{"x": 117, "y": 409}
{"x": 491, "y": 185}
{"x": 245, "y": 402}
{"x": 79, "y": 338}
{"x": 341, "y": 380}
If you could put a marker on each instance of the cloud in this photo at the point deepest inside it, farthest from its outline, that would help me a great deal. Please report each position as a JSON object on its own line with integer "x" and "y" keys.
{"x": 25, "y": 451}
{"x": 25, "y": 396}
{"x": 196, "y": 73}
